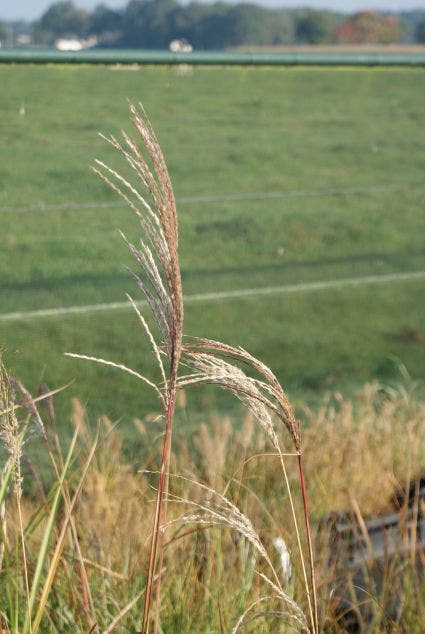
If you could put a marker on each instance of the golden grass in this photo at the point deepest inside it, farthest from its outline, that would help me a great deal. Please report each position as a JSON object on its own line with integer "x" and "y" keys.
{"x": 362, "y": 449}
{"x": 356, "y": 451}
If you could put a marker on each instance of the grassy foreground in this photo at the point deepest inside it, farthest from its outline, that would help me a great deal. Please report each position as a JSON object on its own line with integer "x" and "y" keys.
{"x": 230, "y": 531}
{"x": 89, "y": 566}
{"x": 339, "y": 151}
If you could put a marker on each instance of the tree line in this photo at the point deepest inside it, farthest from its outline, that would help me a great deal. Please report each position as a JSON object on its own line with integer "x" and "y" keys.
{"x": 152, "y": 24}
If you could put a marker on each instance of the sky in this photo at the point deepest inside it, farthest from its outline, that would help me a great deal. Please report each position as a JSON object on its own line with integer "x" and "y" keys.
{"x": 33, "y": 9}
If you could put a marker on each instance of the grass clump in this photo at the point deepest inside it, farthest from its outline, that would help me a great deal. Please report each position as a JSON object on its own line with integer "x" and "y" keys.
{"x": 208, "y": 361}
{"x": 212, "y": 573}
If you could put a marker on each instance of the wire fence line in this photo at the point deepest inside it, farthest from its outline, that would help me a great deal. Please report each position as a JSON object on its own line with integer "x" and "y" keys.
{"x": 247, "y": 196}
{"x": 244, "y": 293}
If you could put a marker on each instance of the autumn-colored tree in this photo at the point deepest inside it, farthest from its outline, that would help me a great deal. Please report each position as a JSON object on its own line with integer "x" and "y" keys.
{"x": 368, "y": 27}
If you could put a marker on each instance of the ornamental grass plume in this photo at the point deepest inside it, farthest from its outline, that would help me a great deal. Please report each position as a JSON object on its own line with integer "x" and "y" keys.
{"x": 208, "y": 361}
{"x": 160, "y": 282}
{"x": 223, "y": 365}
{"x": 218, "y": 510}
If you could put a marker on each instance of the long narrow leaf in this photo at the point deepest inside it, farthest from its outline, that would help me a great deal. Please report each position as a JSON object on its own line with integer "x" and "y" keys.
{"x": 60, "y": 543}
{"x": 5, "y": 481}
{"x": 47, "y": 535}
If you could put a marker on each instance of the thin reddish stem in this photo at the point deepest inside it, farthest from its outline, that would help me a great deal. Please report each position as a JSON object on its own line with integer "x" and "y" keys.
{"x": 315, "y": 624}
{"x": 157, "y": 518}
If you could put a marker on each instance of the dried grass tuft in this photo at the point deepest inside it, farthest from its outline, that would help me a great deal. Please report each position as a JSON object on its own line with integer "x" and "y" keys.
{"x": 10, "y": 431}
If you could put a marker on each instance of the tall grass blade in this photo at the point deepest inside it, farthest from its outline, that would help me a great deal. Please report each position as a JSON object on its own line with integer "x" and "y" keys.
{"x": 60, "y": 543}
{"x": 124, "y": 611}
{"x": 44, "y": 547}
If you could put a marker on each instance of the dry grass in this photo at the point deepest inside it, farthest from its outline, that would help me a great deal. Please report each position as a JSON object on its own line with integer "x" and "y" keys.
{"x": 362, "y": 449}
{"x": 211, "y": 574}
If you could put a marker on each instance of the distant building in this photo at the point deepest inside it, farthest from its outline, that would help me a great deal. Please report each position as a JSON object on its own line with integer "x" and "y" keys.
{"x": 180, "y": 46}
{"x": 74, "y": 44}
{"x": 23, "y": 39}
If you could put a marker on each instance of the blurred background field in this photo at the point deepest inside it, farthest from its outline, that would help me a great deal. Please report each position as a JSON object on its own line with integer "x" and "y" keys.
{"x": 283, "y": 177}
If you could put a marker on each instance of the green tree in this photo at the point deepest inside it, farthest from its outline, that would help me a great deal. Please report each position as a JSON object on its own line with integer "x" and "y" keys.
{"x": 149, "y": 23}
{"x": 420, "y": 32}
{"x": 221, "y": 25}
{"x": 61, "y": 19}
{"x": 104, "y": 20}
{"x": 154, "y": 23}
{"x": 312, "y": 28}
{"x": 282, "y": 27}
{"x": 249, "y": 24}
{"x": 189, "y": 22}
{"x": 4, "y": 33}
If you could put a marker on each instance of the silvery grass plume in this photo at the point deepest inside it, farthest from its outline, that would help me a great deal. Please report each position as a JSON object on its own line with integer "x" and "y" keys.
{"x": 160, "y": 282}
{"x": 218, "y": 510}
{"x": 226, "y": 366}
{"x": 209, "y": 361}
{"x": 223, "y": 365}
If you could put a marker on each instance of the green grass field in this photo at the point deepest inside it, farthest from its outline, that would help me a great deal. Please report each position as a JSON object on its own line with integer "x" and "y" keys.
{"x": 339, "y": 156}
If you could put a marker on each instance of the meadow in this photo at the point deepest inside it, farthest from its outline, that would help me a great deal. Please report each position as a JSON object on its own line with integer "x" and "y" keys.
{"x": 314, "y": 261}
{"x": 87, "y": 567}
{"x": 282, "y": 177}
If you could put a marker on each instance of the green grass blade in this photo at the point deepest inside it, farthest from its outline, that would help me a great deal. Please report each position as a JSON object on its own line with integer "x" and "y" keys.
{"x": 47, "y": 535}
{"x": 60, "y": 543}
{"x": 5, "y": 482}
